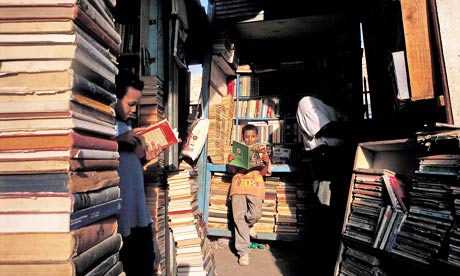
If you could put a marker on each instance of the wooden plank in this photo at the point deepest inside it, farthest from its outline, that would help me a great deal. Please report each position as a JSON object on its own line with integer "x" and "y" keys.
{"x": 418, "y": 48}
{"x": 449, "y": 27}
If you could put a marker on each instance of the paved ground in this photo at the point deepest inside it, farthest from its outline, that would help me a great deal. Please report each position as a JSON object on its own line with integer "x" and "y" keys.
{"x": 316, "y": 255}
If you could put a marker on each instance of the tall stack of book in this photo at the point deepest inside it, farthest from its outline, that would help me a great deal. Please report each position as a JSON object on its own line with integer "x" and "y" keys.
{"x": 266, "y": 223}
{"x": 219, "y": 211}
{"x": 185, "y": 221}
{"x": 220, "y": 130}
{"x": 154, "y": 191}
{"x": 58, "y": 164}
{"x": 286, "y": 209}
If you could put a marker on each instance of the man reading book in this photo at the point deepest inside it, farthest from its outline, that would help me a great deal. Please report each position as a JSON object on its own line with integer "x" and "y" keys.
{"x": 134, "y": 221}
{"x": 247, "y": 192}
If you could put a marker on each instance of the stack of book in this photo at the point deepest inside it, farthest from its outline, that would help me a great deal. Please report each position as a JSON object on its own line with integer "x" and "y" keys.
{"x": 303, "y": 200}
{"x": 219, "y": 211}
{"x": 220, "y": 130}
{"x": 193, "y": 251}
{"x": 266, "y": 223}
{"x": 58, "y": 164}
{"x": 151, "y": 104}
{"x": 286, "y": 209}
{"x": 358, "y": 262}
{"x": 154, "y": 189}
{"x": 431, "y": 212}
{"x": 366, "y": 208}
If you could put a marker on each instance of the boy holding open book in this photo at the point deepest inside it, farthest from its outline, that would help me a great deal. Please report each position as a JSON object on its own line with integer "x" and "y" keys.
{"x": 247, "y": 193}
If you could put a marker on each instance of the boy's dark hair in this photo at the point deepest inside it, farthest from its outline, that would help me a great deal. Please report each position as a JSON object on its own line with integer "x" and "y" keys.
{"x": 124, "y": 80}
{"x": 249, "y": 127}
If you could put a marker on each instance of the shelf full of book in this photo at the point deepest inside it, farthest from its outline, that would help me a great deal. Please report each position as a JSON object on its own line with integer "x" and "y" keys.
{"x": 243, "y": 105}
{"x": 402, "y": 213}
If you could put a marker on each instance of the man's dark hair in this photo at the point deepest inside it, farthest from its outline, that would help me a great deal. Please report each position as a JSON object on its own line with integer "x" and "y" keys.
{"x": 124, "y": 80}
{"x": 249, "y": 127}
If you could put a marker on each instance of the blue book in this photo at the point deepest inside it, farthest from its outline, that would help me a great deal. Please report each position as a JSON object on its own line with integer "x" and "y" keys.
{"x": 92, "y": 214}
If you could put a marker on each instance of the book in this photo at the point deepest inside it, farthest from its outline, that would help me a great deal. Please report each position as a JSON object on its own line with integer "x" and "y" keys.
{"x": 383, "y": 224}
{"x": 86, "y": 42}
{"x": 92, "y": 257}
{"x": 22, "y": 222}
{"x": 54, "y": 141}
{"x": 84, "y": 14}
{"x": 69, "y": 182}
{"x": 246, "y": 157}
{"x": 67, "y": 120}
{"x": 58, "y": 85}
{"x": 54, "y": 247}
{"x": 115, "y": 270}
{"x": 161, "y": 134}
{"x": 396, "y": 191}
{"x": 105, "y": 265}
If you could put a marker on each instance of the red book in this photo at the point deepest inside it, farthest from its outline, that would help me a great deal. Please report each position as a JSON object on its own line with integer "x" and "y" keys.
{"x": 161, "y": 134}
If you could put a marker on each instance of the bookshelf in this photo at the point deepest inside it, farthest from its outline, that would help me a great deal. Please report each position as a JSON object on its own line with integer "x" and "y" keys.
{"x": 420, "y": 237}
{"x": 265, "y": 111}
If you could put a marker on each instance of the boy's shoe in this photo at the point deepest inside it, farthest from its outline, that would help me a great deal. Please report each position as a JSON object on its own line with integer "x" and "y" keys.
{"x": 252, "y": 232}
{"x": 244, "y": 260}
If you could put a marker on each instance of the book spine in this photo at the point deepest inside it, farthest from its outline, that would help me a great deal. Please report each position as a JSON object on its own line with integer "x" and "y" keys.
{"x": 94, "y": 52}
{"x": 84, "y": 21}
{"x": 94, "y": 213}
{"x": 88, "y": 142}
{"x": 92, "y": 180}
{"x": 96, "y": 91}
{"x": 104, "y": 266}
{"x": 115, "y": 270}
{"x": 88, "y": 199}
{"x": 93, "y": 256}
{"x": 99, "y": 20}
{"x": 93, "y": 164}
{"x": 34, "y": 183}
{"x": 94, "y": 233}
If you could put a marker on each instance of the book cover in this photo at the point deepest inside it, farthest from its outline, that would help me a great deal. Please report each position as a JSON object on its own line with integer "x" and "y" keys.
{"x": 396, "y": 191}
{"x": 246, "y": 157}
{"x": 161, "y": 134}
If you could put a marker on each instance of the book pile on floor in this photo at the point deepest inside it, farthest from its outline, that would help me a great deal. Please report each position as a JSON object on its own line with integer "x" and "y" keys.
{"x": 193, "y": 255}
{"x": 266, "y": 223}
{"x": 58, "y": 165}
{"x": 155, "y": 196}
{"x": 219, "y": 210}
{"x": 286, "y": 209}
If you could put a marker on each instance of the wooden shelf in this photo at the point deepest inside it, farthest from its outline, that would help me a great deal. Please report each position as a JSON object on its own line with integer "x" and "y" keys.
{"x": 260, "y": 236}
{"x": 274, "y": 168}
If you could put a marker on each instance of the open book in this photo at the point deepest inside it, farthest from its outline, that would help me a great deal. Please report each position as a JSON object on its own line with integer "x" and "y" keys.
{"x": 161, "y": 134}
{"x": 247, "y": 157}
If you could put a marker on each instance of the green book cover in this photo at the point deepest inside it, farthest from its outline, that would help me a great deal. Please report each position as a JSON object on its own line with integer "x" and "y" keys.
{"x": 246, "y": 156}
